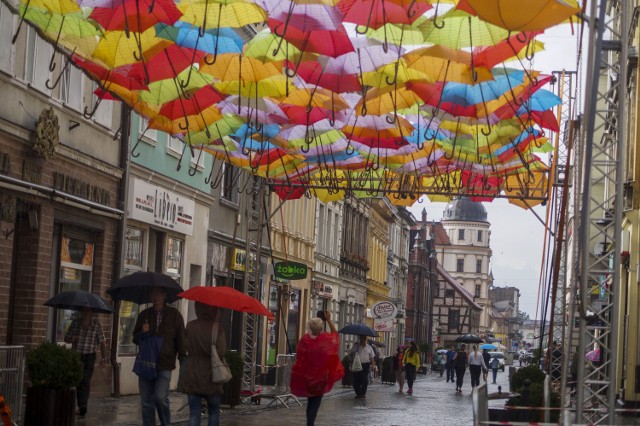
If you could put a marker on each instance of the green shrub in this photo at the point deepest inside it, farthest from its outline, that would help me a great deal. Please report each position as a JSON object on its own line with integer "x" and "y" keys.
{"x": 54, "y": 367}
{"x": 235, "y": 363}
{"x": 531, "y": 372}
{"x": 536, "y": 399}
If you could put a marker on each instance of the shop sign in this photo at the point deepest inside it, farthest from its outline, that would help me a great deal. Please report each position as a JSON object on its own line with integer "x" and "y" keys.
{"x": 384, "y": 310}
{"x": 383, "y": 324}
{"x": 239, "y": 260}
{"x": 323, "y": 290}
{"x": 157, "y": 206}
{"x": 290, "y": 270}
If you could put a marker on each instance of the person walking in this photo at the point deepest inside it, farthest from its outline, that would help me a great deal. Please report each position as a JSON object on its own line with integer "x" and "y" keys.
{"x": 161, "y": 320}
{"x": 487, "y": 362}
{"x": 398, "y": 367}
{"x": 451, "y": 371}
{"x": 495, "y": 364}
{"x": 411, "y": 361}
{"x": 85, "y": 334}
{"x": 460, "y": 361}
{"x": 442, "y": 363}
{"x": 195, "y": 374}
{"x": 367, "y": 358}
{"x": 317, "y": 366}
{"x": 476, "y": 366}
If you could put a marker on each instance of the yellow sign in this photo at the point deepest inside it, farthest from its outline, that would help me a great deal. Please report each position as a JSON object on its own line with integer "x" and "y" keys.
{"x": 239, "y": 260}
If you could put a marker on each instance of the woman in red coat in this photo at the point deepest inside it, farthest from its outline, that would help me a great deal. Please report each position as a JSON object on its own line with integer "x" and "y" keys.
{"x": 317, "y": 366}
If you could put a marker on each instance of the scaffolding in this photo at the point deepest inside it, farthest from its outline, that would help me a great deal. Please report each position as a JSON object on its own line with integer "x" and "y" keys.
{"x": 601, "y": 207}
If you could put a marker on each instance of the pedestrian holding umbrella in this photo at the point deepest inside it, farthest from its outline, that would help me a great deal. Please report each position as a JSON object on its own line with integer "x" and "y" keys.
{"x": 77, "y": 300}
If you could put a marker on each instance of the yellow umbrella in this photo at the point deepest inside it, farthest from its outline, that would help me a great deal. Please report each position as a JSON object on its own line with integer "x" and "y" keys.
{"x": 207, "y": 15}
{"x": 193, "y": 122}
{"x": 55, "y": 6}
{"x": 515, "y": 15}
{"x": 384, "y": 101}
{"x": 234, "y": 67}
{"x": 442, "y": 63}
{"x": 116, "y": 49}
{"x": 272, "y": 87}
{"x": 527, "y": 190}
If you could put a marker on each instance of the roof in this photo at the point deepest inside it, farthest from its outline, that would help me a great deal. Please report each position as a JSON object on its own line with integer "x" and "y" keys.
{"x": 440, "y": 234}
{"x": 458, "y": 287}
{"x": 464, "y": 209}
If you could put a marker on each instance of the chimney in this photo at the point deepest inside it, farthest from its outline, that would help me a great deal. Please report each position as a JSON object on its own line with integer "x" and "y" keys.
{"x": 424, "y": 214}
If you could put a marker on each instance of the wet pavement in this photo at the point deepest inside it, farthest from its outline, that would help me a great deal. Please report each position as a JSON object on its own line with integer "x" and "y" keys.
{"x": 434, "y": 401}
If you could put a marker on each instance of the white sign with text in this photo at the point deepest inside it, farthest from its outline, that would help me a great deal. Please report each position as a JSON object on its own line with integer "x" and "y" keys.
{"x": 157, "y": 206}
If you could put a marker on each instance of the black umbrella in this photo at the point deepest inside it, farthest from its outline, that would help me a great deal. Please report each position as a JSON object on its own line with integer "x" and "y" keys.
{"x": 76, "y": 300}
{"x": 359, "y": 330}
{"x": 137, "y": 287}
{"x": 376, "y": 343}
{"x": 469, "y": 338}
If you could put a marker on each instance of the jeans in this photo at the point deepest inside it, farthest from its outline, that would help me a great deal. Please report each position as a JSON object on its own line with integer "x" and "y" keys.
{"x": 84, "y": 387}
{"x": 451, "y": 373}
{"x": 361, "y": 379}
{"x": 313, "y": 405}
{"x": 475, "y": 371}
{"x": 494, "y": 371}
{"x": 410, "y": 369}
{"x": 195, "y": 409}
{"x": 155, "y": 396}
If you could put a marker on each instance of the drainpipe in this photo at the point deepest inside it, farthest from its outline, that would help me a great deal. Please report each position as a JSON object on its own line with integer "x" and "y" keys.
{"x": 125, "y": 132}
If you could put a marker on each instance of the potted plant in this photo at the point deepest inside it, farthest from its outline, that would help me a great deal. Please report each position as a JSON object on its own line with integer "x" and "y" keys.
{"x": 232, "y": 388}
{"x": 54, "y": 371}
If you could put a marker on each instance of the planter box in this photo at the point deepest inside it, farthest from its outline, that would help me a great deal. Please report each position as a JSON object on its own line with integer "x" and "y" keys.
{"x": 50, "y": 407}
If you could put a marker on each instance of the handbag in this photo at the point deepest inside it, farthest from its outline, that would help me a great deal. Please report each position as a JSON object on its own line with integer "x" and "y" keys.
{"x": 220, "y": 372}
{"x": 356, "y": 365}
{"x": 146, "y": 363}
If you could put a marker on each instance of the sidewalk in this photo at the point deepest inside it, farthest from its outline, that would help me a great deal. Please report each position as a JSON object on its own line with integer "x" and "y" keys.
{"x": 125, "y": 411}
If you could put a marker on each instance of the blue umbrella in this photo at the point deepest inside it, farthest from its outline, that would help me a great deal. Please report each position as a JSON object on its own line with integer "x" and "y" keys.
{"x": 359, "y": 330}
{"x": 488, "y": 346}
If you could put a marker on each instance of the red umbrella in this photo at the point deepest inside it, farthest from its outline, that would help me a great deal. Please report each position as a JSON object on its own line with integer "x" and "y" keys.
{"x": 325, "y": 42}
{"x": 226, "y": 297}
{"x": 136, "y": 15}
{"x": 198, "y": 101}
{"x": 376, "y": 13}
{"x": 312, "y": 73}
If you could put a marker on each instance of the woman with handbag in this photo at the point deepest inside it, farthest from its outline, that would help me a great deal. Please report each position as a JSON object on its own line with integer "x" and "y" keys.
{"x": 317, "y": 366}
{"x": 195, "y": 376}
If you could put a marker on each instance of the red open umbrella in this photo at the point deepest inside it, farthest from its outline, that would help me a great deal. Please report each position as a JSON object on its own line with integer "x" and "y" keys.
{"x": 226, "y": 297}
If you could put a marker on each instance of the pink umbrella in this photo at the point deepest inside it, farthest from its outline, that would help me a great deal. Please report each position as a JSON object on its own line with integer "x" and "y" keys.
{"x": 593, "y": 356}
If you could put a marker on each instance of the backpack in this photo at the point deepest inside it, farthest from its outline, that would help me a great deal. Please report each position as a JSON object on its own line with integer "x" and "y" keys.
{"x": 495, "y": 363}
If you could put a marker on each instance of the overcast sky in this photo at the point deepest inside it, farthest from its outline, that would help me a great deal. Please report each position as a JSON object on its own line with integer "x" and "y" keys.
{"x": 516, "y": 234}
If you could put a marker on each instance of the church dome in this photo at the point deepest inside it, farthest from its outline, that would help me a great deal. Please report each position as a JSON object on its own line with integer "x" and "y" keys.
{"x": 464, "y": 209}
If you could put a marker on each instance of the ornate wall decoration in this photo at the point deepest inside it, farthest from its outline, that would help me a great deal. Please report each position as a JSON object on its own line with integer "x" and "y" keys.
{"x": 47, "y": 130}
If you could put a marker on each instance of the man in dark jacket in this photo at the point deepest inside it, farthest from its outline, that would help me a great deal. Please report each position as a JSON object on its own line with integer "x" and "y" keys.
{"x": 165, "y": 321}
{"x": 487, "y": 362}
{"x": 451, "y": 371}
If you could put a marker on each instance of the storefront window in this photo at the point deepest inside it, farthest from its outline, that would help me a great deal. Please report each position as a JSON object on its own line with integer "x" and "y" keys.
{"x": 173, "y": 264}
{"x": 294, "y": 318}
{"x": 76, "y": 266}
{"x": 133, "y": 261}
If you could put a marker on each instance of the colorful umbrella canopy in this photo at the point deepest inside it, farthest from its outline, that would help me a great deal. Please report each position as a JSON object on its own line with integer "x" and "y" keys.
{"x": 368, "y": 97}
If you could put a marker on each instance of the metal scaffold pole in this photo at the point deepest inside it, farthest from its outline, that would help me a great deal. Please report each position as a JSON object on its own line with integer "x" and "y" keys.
{"x": 601, "y": 209}
{"x": 255, "y": 215}
{"x": 561, "y": 167}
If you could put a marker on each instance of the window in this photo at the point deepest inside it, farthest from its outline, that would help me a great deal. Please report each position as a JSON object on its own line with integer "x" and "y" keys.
{"x": 460, "y": 265}
{"x": 449, "y": 293}
{"x": 173, "y": 261}
{"x": 436, "y": 289}
{"x": 76, "y": 267}
{"x": 133, "y": 249}
{"x": 6, "y": 33}
{"x": 480, "y": 236}
{"x": 478, "y": 289}
{"x": 104, "y": 114}
{"x": 321, "y": 228}
{"x": 229, "y": 183}
{"x": 454, "y": 318}
{"x": 133, "y": 261}
{"x": 71, "y": 87}
{"x": 478, "y": 266}
{"x": 37, "y": 59}
{"x": 146, "y": 133}
{"x": 461, "y": 234}
{"x": 175, "y": 147}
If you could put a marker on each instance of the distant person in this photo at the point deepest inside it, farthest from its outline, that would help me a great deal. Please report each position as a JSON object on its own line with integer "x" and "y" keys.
{"x": 476, "y": 366}
{"x": 161, "y": 320}
{"x": 460, "y": 361}
{"x": 196, "y": 380}
{"x": 317, "y": 366}
{"x": 451, "y": 371}
{"x": 85, "y": 334}
{"x": 411, "y": 363}
{"x": 367, "y": 359}
{"x": 398, "y": 367}
{"x": 442, "y": 363}
{"x": 495, "y": 365}
{"x": 487, "y": 361}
